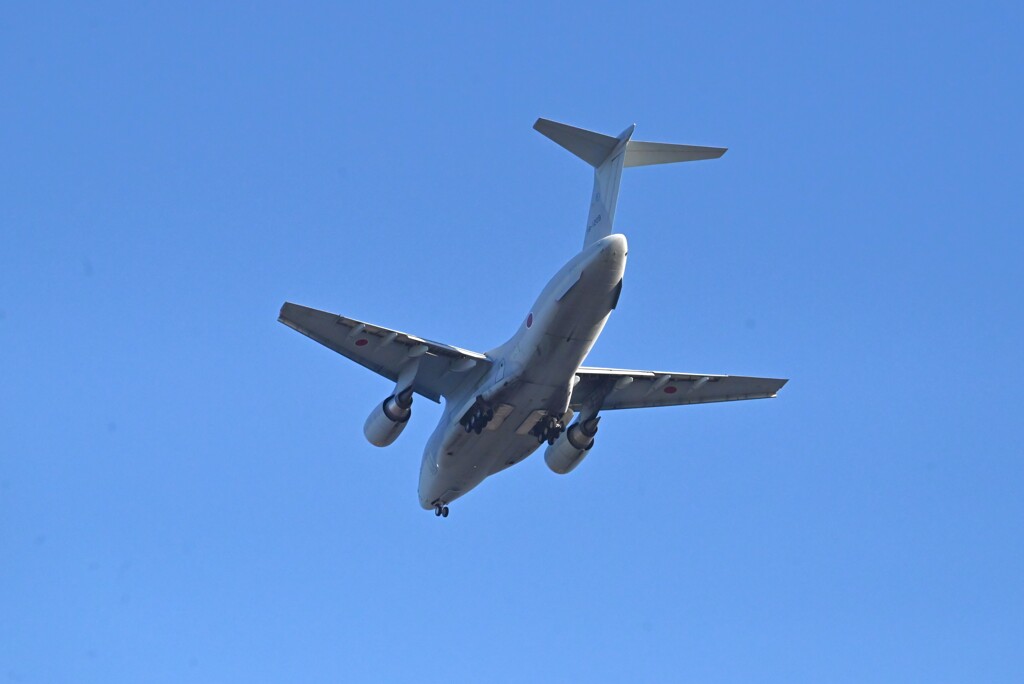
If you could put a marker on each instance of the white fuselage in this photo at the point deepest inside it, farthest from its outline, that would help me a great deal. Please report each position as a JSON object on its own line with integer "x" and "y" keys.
{"x": 531, "y": 375}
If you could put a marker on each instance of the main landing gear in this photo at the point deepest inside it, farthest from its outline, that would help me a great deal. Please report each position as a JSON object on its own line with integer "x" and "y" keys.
{"x": 548, "y": 429}
{"x": 440, "y": 511}
{"x": 477, "y": 417}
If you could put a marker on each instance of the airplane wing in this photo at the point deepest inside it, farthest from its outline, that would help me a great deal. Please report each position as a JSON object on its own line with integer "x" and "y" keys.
{"x": 623, "y": 389}
{"x": 385, "y": 351}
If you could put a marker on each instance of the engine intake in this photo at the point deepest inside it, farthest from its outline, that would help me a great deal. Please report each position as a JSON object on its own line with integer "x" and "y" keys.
{"x": 570, "y": 449}
{"x": 387, "y": 421}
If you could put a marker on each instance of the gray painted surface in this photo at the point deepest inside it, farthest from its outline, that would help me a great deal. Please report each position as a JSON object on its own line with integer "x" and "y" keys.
{"x": 538, "y": 372}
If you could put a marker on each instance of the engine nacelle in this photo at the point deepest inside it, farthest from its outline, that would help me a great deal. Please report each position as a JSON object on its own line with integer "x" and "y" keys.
{"x": 387, "y": 421}
{"x": 571, "y": 447}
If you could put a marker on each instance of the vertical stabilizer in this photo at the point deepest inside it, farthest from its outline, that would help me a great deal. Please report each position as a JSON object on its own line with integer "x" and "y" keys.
{"x": 607, "y": 176}
{"x": 608, "y": 156}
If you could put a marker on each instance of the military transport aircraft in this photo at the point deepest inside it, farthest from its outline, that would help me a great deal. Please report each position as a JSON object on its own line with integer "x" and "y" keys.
{"x": 501, "y": 406}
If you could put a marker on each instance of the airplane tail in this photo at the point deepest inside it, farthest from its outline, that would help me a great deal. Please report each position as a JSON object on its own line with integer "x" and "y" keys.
{"x": 608, "y": 156}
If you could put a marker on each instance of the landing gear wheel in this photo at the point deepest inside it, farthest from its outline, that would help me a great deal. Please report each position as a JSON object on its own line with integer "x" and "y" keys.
{"x": 437, "y": 511}
{"x": 444, "y": 511}
{"x": 477, "y": 417}
{"x": 548, "y": 429}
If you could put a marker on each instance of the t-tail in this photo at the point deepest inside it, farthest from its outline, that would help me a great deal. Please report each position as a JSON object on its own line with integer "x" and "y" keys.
{"x": 608, "y": 156}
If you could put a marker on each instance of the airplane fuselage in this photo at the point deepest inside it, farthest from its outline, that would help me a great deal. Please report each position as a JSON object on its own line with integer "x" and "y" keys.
{"x": 531, "y": 376}
{"x": 501, "y": 406}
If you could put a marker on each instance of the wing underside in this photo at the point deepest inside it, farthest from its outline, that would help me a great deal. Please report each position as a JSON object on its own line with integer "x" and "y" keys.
{"x": 441, "y": 367}
{"x": 617, "y": 388}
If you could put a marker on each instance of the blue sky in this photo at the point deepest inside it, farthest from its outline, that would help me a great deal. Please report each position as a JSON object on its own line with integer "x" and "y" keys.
{"x": 185, "y": 492}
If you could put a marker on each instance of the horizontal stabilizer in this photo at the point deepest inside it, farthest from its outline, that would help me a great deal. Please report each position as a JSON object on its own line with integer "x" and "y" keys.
{"x": 589, "y": 146}
{"x": 648, "y": 153}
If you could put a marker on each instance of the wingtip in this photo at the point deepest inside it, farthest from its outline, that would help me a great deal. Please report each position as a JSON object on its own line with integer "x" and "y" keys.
{"x": 281, "y": 314}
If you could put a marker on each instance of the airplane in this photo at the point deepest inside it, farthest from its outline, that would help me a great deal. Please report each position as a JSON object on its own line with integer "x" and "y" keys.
{"x": 501, "y": 406}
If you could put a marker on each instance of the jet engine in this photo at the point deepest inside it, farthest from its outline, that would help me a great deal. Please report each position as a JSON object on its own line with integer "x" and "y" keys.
{"x": 388, "y": 420}
{"x": 571, "y": 447}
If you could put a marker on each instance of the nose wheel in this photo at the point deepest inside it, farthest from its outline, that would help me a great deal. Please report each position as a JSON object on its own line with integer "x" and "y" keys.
{"x": 440, "y": 511}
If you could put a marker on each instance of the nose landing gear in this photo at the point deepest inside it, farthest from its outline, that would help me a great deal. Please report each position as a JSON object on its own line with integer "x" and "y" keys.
{"x": 477, "y": 417}
{"x": 441, "y": 511}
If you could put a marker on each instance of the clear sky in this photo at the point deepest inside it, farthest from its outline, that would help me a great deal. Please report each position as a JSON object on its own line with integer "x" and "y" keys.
{"x": 185, "y": 491}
